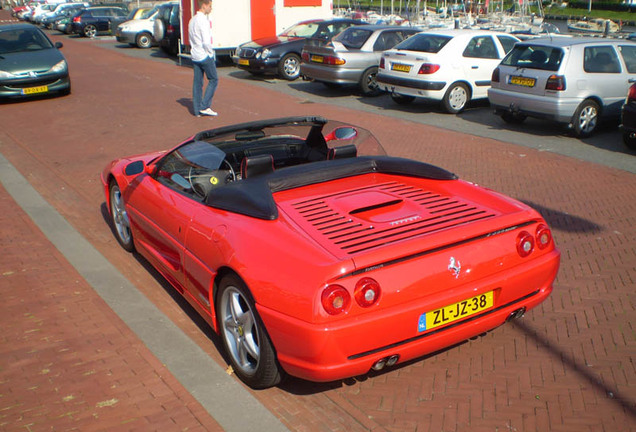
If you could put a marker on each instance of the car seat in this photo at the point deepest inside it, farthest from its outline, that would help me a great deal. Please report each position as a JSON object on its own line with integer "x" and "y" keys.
{"x": 257, "y": 165}
{"x": 342, "y": 152}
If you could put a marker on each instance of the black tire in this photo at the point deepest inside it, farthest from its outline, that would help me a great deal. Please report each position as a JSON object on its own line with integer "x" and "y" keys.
{"x": 456, "y": 98}
{"x": 144, "y": 40}
{"x": 90, "y": 30}
{"x": 244, "y": 336}
{"x": 289, "y": 67}
{"x": 513, "y": 118}
{"x": 119, "y": 218}
{"x": 368, "y": 83}
{"x": 402, "y": 99}
{"x": 629, "y": 139}
{"x": 585, "y": 119}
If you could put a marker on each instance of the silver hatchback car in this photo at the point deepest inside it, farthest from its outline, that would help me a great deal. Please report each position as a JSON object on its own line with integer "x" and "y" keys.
{"x": 569, "y": 80}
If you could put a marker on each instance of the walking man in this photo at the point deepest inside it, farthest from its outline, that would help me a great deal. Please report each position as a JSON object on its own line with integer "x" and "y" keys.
{"x": 203, "y": 59}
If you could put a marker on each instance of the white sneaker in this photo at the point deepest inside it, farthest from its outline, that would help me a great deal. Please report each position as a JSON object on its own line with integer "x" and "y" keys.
{"x": 208, "y": 112}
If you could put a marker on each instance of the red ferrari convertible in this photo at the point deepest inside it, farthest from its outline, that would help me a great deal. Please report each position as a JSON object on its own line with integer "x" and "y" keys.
{"x": 314, "y": 254}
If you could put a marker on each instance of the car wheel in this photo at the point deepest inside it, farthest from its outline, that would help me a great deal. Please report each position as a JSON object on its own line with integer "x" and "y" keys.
{"x": 368, "y": 84}
{"x": 144, "y": 40}
{"x": 513, "y": 118}
{"x": 119, "y": 217}
{"x": 402, "y": 99}
{"x": 629, "y": 138}
{"x": 289, "y": 67}
{"x": 585, "y": 119}
{"x": 90, "y": 31}
{"x": 456, "y": 98}
{"x": 244, "y": 336}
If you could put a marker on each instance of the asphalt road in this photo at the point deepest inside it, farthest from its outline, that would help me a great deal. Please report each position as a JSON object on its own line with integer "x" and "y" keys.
{"x": 605, "y": 147}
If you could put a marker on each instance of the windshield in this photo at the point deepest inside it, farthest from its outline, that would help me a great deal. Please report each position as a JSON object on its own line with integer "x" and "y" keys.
{"x": 534, "y": 57}
{"x": 423, "y": 42}
{"x": 303, "y": 30}
{"x": 150, "y": 12}
{"x": 353, "y": 37}
{"x": 27, "y": 39}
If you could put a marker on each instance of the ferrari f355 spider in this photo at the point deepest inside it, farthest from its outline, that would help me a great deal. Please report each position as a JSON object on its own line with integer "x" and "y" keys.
{"x": 314, "y": 254}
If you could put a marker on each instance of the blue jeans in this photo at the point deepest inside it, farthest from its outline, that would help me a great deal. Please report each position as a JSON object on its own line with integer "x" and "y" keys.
{"x": 207, "y": 66}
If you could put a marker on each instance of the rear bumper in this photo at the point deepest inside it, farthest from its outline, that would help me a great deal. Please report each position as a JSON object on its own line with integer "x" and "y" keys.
{"x": 560, "y": 110}
{"x": 337, "y": 75}
{"x": 328, "y": 352}
{"x": 411, "y": 87}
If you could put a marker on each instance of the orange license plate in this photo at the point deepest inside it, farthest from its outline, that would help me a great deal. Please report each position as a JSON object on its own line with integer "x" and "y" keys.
{"x": 244, "y": 62}
{"x": 401, "y": 67}
{"x": 317, "y": 59}
{"x": 455, "y": 312}
{"x": 522, "y": 81}
{"x": 35, "y": 90}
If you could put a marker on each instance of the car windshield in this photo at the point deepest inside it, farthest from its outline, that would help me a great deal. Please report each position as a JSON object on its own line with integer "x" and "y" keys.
{"x": 423, "y": 42}
{"x": 150, "y": 12}
{"x": 353, "y": 38}
{"x": 26, "y": 39}
{"x": 303, "y": 30}
{"x": 534, "y": 57}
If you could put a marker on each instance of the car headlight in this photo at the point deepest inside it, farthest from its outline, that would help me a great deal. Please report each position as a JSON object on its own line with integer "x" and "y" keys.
{"x": 265, "y": 53}
{"x": 4, "y": 74}
{"x": 60, "y": 67}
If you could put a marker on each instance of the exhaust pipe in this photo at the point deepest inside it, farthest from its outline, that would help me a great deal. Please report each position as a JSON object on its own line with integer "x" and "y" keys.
{"x": 517, "y": 314}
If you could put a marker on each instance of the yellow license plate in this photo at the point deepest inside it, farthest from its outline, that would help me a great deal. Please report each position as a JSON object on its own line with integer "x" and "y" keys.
{"x": 456, "y": 311}
{"x": 401, "y": 67}
{"x": 244, "y": 62}
{"x": 317, "y": 59}
{"x": 522, "y": 81}
{"x": 35, "y": 90}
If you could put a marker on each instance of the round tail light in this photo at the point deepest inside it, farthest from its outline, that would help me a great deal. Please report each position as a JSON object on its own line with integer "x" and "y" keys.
{"x": 543, "y": 236}
{"x": 525, "y": 244}
{"x": 335, "y": 299}
{"x": 367, "y": 292}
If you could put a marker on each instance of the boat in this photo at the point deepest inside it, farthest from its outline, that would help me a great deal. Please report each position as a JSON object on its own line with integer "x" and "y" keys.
{"x": 593, "y": 26}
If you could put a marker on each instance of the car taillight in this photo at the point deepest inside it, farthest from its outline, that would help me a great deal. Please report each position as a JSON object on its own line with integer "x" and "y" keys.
{"x": 382, "y": 63}
{"x": 333, "y": 60}
{"x": 367, "y": 292}
{"x": 170, "y": 29}
{"x": 305, "y": 56}
{"x": 525, "y": 244}
{"x": 428, "y": 68}
{"x": 543, "y": 236}
{"x": 555, "y": 82}
{"x": 631, "y": 94}
{"x": 495, "y": 75}
{"x": 335, "y": 299}
{"x": 77, "y": 19}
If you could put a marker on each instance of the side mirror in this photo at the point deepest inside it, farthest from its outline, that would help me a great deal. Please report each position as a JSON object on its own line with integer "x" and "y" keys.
{"x": 342, "y": 133}
{"x": 58, "y": 45}
{"x": 135, "y": 168}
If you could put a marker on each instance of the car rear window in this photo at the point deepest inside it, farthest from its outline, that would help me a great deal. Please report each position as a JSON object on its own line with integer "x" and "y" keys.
{"x": 353, "y": 37}
{"x": 534, "y": 57}
{"x": 423, "y": 42}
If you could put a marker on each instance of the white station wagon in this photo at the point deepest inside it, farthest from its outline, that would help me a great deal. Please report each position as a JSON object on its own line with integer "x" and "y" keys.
{"x": 451, "y": 66}
{"x": 573, "y": 81}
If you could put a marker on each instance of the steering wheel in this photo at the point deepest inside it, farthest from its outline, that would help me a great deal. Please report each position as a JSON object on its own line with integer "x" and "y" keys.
{"x": 202, "y": 183}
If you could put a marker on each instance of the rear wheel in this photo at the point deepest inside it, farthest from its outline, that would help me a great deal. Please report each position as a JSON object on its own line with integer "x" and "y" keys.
{"x": 244, "y": 336}
{"x": 368, "y": 84}
{"x": 456, "y": 98}
{"x": 90, "y": 31}
{"x": 585, "y": 119}
{"x": 144, "y": 40}
{"x": 119, "y": 217}
{"x": 629, "y": 138}
{"x": 402, "y": 99}
{"x": 289, "y": 67}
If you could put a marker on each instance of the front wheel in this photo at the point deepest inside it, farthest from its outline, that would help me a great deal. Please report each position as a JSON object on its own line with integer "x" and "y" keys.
{"x": 119, "y": 217}
{"x": 289, "y": 67}
{"x": 585, "y": 119}
{"x": 456, "y": 98}
{"x": 90, "y": 31}
{"x": 244, "y": 336}
{"x": 144, "y": 40}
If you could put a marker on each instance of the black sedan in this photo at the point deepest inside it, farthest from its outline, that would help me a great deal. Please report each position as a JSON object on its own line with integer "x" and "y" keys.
{"x": 95, "y": 20}
{"x": 30, "y": 64}
{"x": 281, "y": 54}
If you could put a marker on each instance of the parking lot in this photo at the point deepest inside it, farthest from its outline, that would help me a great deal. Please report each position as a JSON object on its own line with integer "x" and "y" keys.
{"x": 72, "y": 360}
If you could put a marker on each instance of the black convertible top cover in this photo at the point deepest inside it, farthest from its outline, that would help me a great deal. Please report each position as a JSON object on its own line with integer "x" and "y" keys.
{"x": 253, "y": 196}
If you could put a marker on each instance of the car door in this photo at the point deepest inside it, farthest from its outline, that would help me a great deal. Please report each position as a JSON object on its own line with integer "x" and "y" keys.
{"x": 480, "y": 58}
{"x": 607, "y": 76}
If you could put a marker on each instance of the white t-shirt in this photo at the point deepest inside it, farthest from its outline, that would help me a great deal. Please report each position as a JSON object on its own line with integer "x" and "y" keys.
{"x": 200, "y": 33}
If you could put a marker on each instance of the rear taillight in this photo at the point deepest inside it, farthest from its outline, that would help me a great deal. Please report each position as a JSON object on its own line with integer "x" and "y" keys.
{"x": 335, "y": 299}
{"x": 543, "y": 236}
{"x": 495, "y": 75}
{"x": 77, "y": 19}
{"x": 382, "y": 63}
{"x": 333, "y": 60}
{"x": 525, "y": 244}
{"x": 428, "y": 68}
{"x": 367, "y": 292}
{"x": 555, "y": 82}
{"x": 170, "y": 29}
{"x": 305, "y": 56}
{"x": 631, "y": 94}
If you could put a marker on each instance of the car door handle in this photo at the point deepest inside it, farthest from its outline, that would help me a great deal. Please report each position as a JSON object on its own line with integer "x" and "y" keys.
{"x": 474, "y": 67}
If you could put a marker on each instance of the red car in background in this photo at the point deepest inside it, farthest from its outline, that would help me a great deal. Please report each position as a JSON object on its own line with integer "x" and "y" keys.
{"x": 312, "y": 253}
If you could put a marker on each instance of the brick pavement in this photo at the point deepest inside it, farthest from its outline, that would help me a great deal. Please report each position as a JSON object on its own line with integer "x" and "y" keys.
{"x": 568, "y": 366}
